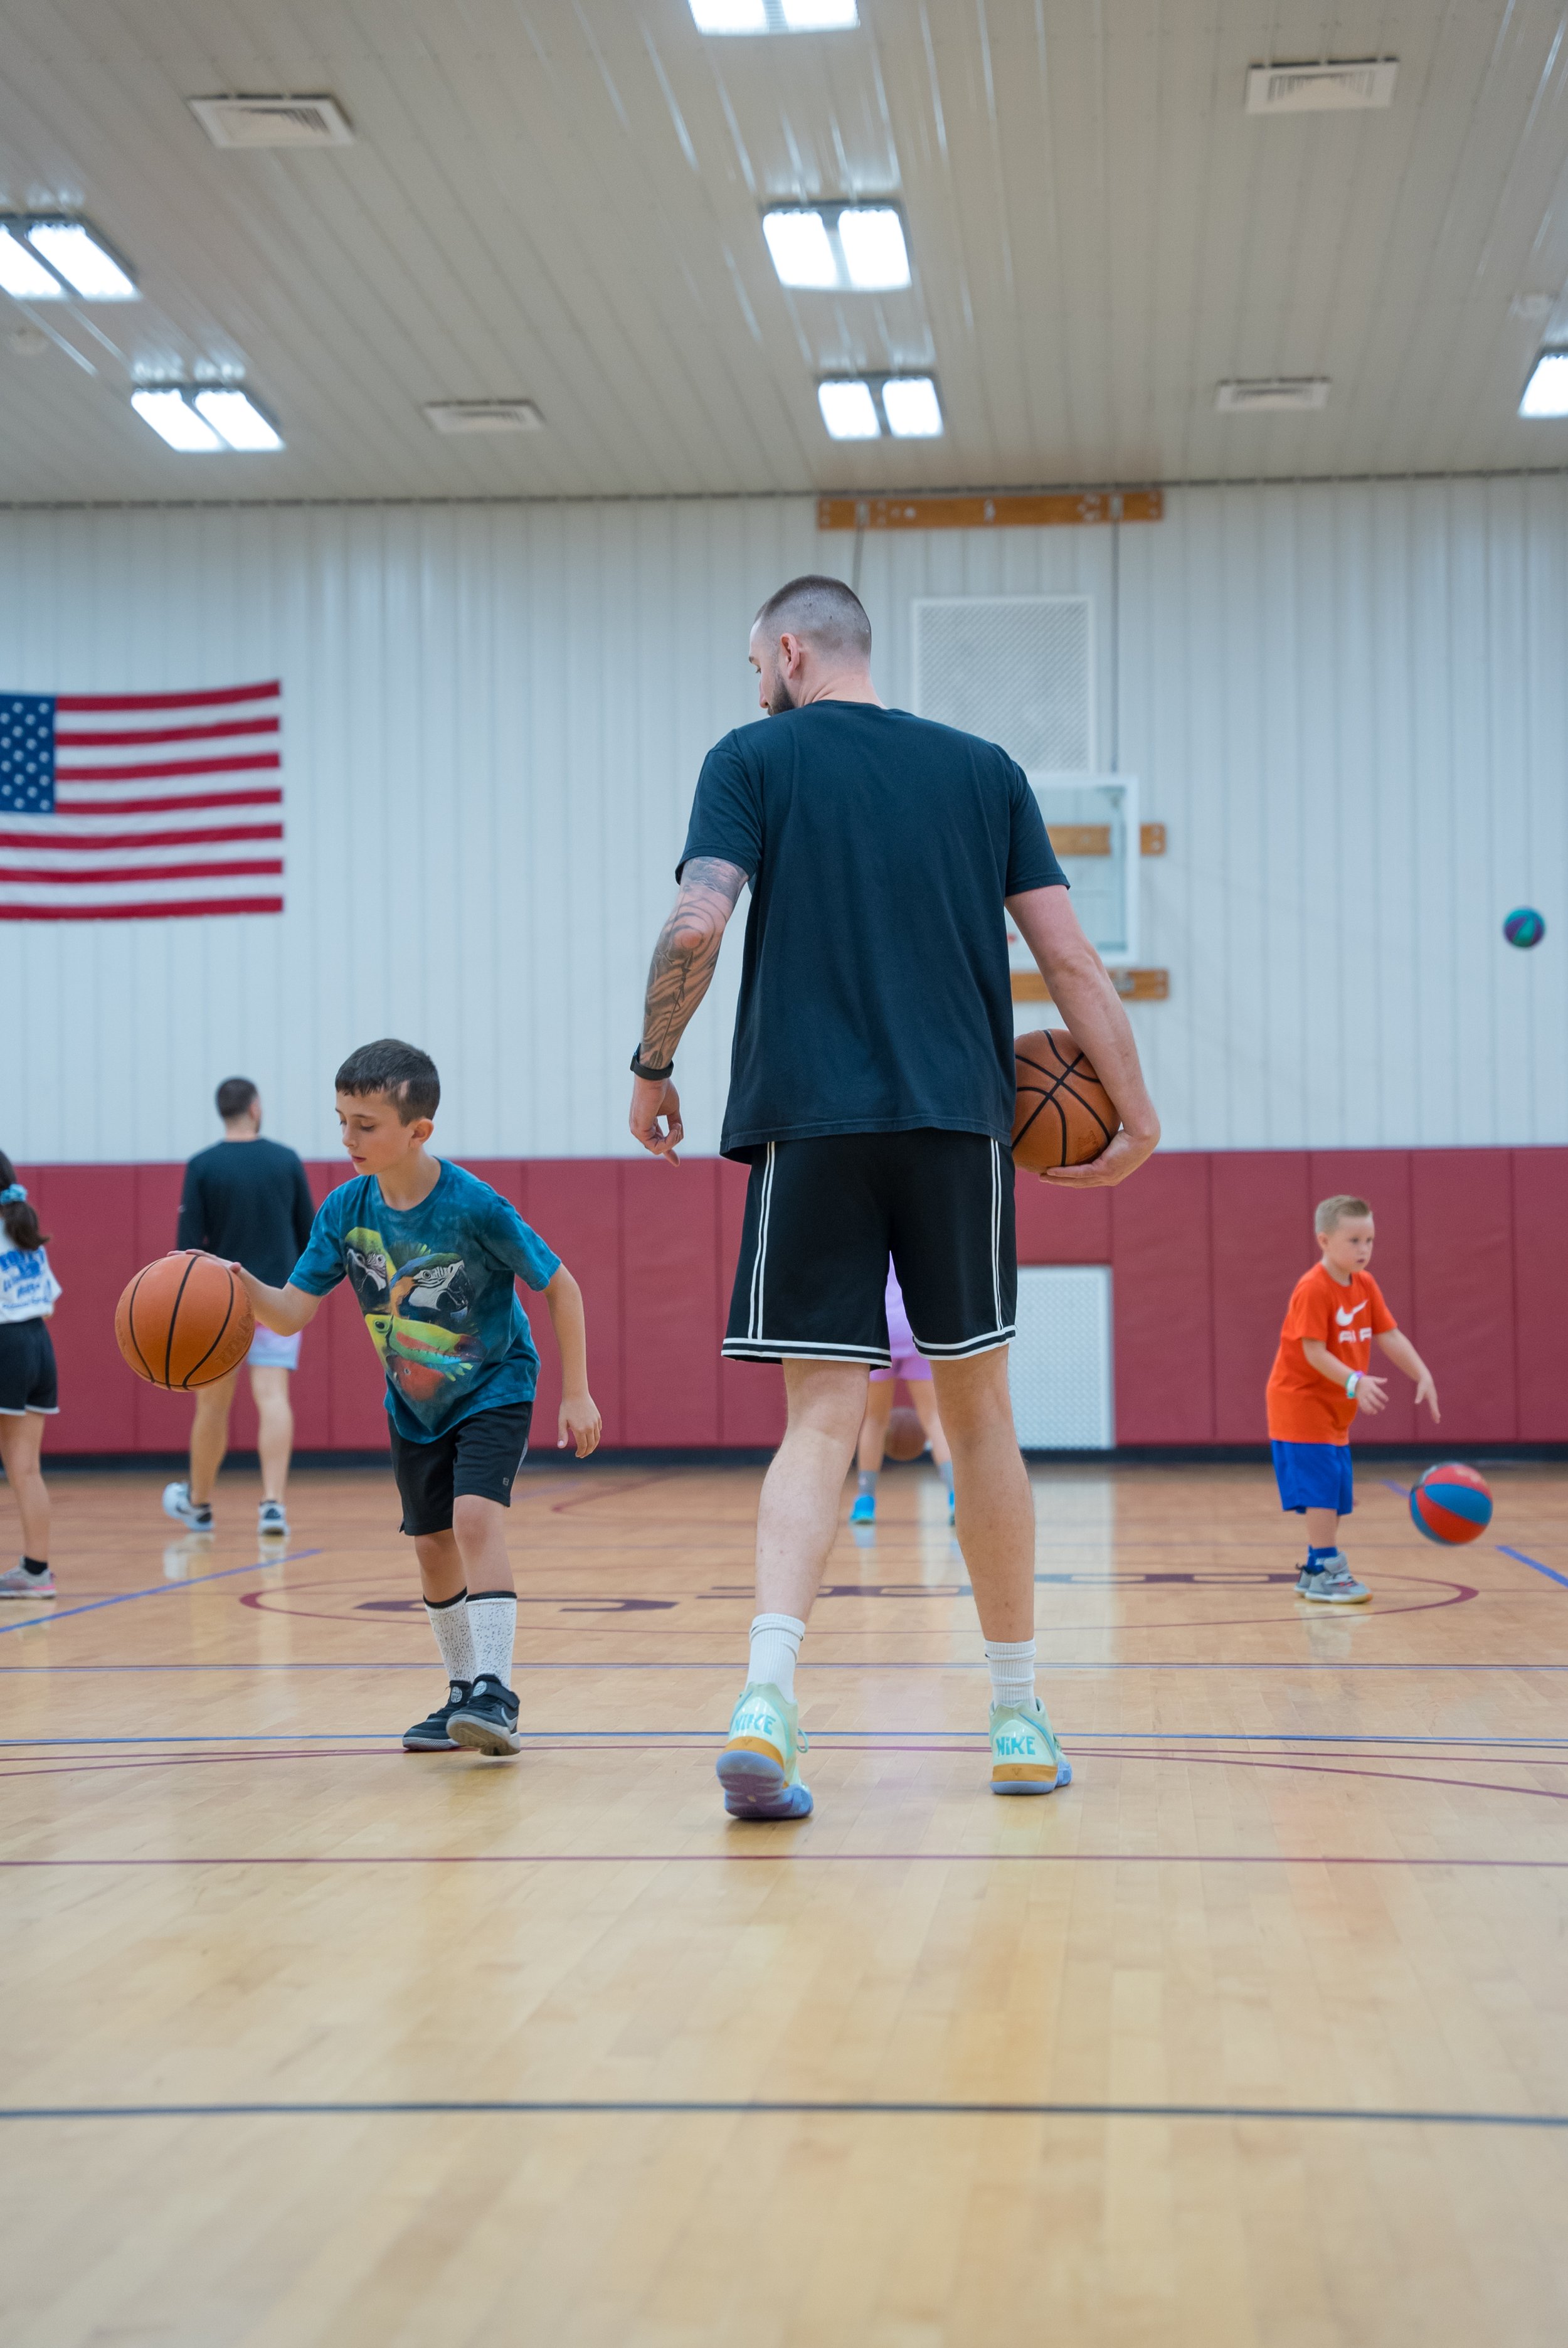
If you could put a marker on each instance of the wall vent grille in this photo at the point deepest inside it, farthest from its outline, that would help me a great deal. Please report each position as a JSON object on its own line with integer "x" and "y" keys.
{"x": 483, "y": 415}
{"x": 316, "y": 121}
{"x": 1273, "y": 395}
{"x": 1018, "y": 669}
{"x": 1350, "y": 86}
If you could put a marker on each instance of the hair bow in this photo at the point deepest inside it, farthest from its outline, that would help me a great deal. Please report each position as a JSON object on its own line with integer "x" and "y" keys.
{"x": 13, "y": 1196}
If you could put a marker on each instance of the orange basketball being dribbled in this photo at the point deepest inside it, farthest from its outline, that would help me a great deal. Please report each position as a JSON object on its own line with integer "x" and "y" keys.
{"x": 184, "y": 1322}
{"x": 1063, "y": 1115}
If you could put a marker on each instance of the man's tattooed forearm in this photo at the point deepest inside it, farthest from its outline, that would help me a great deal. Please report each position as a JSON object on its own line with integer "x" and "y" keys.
{"x": 687, "y": 953}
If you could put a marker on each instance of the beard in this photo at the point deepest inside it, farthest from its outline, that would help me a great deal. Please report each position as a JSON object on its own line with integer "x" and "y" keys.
{"x": 778, "y": 695}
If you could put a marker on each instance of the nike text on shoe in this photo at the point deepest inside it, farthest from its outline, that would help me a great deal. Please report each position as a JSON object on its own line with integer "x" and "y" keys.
{"x": 1334, "y": 1584}
{"x": 486, "y": 1721}
{"x": 178, "y": 1504}
{"x": 430, "y": 1735}
{"x": 272, "y": 1524}
{"x": 1025, "y": 1755}
{"x": 19, "y": 1584}
{"x": 759, "y": 1768}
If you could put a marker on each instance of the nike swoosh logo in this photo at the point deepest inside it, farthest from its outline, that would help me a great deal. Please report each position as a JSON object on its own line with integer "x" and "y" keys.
{"x": 1345, "y": 1318}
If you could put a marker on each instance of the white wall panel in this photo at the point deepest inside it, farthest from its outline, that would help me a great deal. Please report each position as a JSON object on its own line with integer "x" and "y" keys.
{"x": 1348, "y": 703}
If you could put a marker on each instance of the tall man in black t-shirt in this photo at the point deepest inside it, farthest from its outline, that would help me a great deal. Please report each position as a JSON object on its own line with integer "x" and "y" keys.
{"x": 872, "y": 1094}
{"x": 247, "y": 1199}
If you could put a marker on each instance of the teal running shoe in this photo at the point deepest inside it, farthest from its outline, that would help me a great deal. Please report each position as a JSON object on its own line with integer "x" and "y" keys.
{"x": 1025, "y": 1755}
{"x": 759, "y": 1768}
{"x": 864, "y": 1513}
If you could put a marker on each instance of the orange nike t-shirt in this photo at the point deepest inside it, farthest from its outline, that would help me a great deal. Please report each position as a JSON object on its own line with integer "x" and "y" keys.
{"x": 1303, "y": 1407}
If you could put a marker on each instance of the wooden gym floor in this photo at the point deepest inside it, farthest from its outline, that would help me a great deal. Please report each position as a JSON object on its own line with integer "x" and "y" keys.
{"x": 1257, "y": 2034}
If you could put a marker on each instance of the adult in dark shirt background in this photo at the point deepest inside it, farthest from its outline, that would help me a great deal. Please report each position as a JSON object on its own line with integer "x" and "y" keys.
{"x": 246, "y": 1199}
{"x": 871, "y": 1092}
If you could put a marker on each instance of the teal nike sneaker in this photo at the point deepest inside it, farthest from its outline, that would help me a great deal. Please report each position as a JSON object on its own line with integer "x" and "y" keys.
{"x": 863, "y": 1511}
{"x": 1025, "y": 1755}
{"x": 759, "y": 1768}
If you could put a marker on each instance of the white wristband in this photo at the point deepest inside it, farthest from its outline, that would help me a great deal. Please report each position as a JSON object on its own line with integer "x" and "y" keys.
{"x": 1351, "y": 1382}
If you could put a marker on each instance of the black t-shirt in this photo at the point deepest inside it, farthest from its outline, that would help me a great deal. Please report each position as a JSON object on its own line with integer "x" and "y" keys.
{"x": 247, "y": 1201}
{"x": 875, "y": 994}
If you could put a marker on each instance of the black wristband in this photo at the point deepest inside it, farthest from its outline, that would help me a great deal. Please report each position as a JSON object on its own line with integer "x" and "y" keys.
{"x": 639, "y": 1067}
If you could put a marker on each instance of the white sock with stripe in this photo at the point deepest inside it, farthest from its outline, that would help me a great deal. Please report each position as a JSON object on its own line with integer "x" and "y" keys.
{"x": 448, "y": 1621}
{"x": 775, "y": 1643}
{"x": 493, "y": 1618}
{"x": 1011, "y": 1667}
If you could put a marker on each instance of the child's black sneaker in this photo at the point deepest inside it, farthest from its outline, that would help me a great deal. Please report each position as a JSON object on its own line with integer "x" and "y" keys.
{"x": 429, "y": 1735}
{"x": 488, "y": 1722}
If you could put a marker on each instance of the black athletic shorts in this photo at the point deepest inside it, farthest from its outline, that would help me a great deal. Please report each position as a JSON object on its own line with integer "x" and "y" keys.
{"x": 823, "y": 1215}
{"x": 27, "y": 1380}
{"x": 480, "y": 1455}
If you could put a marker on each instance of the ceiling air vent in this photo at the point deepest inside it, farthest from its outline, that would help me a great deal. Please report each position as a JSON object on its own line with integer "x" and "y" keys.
{"x": 272, "y": 121}
{"x": 1273, "y": 395}
{"x": 483, "y": 415}
{"x": 1338, "y": 88}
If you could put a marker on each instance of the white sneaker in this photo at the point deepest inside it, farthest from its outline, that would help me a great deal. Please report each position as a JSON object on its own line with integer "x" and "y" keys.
{"x": 19, "y": 1584}
{"x": 1335, "y": 1584}
{"x": 272, "y": 1524}
{"x": 178, "y": 1504}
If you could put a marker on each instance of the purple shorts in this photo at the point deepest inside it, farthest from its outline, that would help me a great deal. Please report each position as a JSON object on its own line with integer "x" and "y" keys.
{"x": 911, "y": 1368}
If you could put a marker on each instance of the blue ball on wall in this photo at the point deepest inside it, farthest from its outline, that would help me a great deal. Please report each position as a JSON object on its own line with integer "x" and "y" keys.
{"x": 1524, "y": 927}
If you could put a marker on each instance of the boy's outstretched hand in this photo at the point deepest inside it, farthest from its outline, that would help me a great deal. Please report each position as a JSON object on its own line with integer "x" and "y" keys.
{"x": 579, "y": 1423}
{"x": 1426, "y": 1392}
{"x": 1371, "y": 1394}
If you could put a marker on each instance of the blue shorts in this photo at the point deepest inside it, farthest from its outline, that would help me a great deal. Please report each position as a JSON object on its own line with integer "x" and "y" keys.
{"x": 1314, "y": 1476}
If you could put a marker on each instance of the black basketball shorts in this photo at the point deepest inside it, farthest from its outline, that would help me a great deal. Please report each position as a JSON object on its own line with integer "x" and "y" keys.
{"x": 823, "y": 1215}
{"x": 27, "y": 1377}
{"x": 480, "y": 1455}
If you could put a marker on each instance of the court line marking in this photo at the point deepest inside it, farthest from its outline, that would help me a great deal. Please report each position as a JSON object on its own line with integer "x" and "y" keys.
{"x": 158, "y": 1590}
{"x": 793, "y": 1858}
{"x": 825, "y": 1740}
{"x": 672, "y": 2106}
{"x": 1050, "y": 1668}
{"x": 1533, "y": 1563}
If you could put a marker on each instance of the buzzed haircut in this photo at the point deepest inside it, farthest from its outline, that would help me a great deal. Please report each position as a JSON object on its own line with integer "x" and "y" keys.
{"x": 402, "y": 1071}
{"x": 1332, "y": 1213}
{"x": 234, "y": 1097}
{"x": 823, "y": 610}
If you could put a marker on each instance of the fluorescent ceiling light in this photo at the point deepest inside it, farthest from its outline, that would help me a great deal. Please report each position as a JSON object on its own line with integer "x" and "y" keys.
{"x": 839, "y": 248}
{"x": 910, "y": 403}
{"x": 201, "y": 420}
{"x": 801, "y": 251}
{"x": 1546, "y": 393}
{"x": 819, "y": 15}
{"x": 775, "y": 15}
{"x": 236, "y": 419}
{"x": 22, "y": 274}
{"x": 174, "y": 421}
{"x": 874, "y": 252}
{"x": 83, "y": 259}
{"x": 729, "y": 16}
{"x": 848, "y": 411}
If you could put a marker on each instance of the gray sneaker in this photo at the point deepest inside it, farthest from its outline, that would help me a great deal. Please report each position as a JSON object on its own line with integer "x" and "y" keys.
{"x": 1335, "y": 1584}
{"x": 272, "y": 1524}
{"x": 178, "y": 1504}
{"x": 20, "y": 1583}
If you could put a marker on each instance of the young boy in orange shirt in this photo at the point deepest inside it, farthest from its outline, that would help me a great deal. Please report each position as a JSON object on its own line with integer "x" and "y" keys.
{"x": 1320, "y": 1380}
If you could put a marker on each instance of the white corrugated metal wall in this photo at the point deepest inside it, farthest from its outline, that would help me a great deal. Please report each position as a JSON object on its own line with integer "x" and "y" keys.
{"x": 1348, "y": 703}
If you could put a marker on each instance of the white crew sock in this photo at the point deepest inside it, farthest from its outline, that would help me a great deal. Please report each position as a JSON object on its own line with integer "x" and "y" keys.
{"x": 775, "y": 1643}
{"x": 1011, "y": 1667}
{"x": 448, "y": 1618}
{"x": 493, "y": 1620}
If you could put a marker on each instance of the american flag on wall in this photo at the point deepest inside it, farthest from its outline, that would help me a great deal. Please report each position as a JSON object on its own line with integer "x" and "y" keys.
{"x": 136, "y": 806}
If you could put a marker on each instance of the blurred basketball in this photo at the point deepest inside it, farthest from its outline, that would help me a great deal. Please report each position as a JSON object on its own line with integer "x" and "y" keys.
{"x": 905, "y": 1435}
{"x": 1452, "y": 1504}
{"x": 1524, "y": 927}
{"x": 184, "y": 1322}
{"x": 1064, "y": 1115}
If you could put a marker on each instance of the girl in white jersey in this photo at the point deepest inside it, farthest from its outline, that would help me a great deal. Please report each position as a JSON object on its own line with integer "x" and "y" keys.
{"x": 28, "y": 1392}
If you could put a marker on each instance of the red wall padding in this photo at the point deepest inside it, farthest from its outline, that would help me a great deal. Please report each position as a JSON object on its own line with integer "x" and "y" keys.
{"x": 1204, "y": 1246}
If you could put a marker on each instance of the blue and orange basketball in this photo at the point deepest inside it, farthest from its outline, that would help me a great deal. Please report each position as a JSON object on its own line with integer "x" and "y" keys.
{"x": 1524, "y": 927}
{"x": 1452, "y": 1503}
